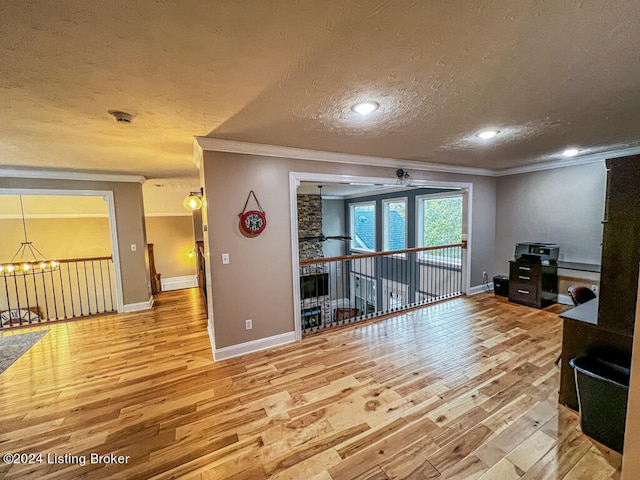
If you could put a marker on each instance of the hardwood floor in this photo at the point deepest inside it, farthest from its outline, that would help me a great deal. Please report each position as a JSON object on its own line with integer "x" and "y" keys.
{"x": 461, "y": 389}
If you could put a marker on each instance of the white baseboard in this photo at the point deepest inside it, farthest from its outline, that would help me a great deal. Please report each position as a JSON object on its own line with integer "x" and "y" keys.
{"x": 253, "y": 346}
{"x": 178, "y": 283}
{"x": 564, "y": 299}
{"x": 212, "y": 339}
{"x": 136, "y": 307}
{"x": 480, "y": 289}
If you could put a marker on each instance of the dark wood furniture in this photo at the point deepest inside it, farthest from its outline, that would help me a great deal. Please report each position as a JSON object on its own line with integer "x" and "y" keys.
{"x": 620, "y": 246}
{"x": 581, "y": 335}
{"x": 156, "y": 284}
{"x": 607, "y": 322}
{"x": 533, "y": 284}
{"x": 345, "y": 313}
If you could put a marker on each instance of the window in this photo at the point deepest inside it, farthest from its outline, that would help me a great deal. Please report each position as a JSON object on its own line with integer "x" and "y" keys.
{"x": 364, "y": 289}
{"x": 395, "y": 224}
{"x": 439, "y": 222}
{"x": 363, "y": 226}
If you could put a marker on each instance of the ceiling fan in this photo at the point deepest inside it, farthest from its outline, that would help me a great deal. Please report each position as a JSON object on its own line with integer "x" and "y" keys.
{"x": 322, "y": 238}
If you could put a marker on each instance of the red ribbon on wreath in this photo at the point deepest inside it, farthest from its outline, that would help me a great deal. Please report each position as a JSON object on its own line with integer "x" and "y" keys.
{"x": 252, "y": 222}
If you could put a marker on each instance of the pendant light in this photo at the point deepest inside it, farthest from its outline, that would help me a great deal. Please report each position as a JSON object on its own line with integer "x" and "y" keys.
{"x": 27, "y": 258}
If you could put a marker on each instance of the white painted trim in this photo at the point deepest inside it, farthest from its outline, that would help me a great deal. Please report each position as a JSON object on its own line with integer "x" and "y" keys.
{"x": 115, "y": 250}
{"x": 36, "y": 216}
{"x": 232, "y": 146}
{"x": 197, "y": 153}
{"x": 113, "y": 231}
{"x": 212, "y": 338}
{"x": 14, "y": 216}
{"x": 169, "y": 214}
{"x": 294, "y": 181}
{"x": 70, "y": 175}
{"x": 264, "y": 150}
{"x": 178, "y": 283}
{"x": 53, "y": 192}
{"x": 136, "y": 307}
{"x": 467, "y": 193}
{"x": 480, "y": 289}
{"x": 568, "y": 162}
{"x": 253, "y": 346}
{"x": 564, "y": 299}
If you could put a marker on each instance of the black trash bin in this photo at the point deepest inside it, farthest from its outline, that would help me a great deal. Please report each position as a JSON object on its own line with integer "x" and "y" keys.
{"x": 501, "y": 285}
{"x": 603, "y": 388}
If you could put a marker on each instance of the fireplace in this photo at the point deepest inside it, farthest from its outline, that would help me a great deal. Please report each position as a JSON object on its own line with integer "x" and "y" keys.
{"x": 311, "y": 317}
{"x": 314, "y": 285}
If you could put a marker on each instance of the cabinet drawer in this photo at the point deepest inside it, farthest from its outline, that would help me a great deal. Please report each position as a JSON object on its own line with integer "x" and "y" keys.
{"x": 525, "y": 293}
{"x": 526, "y": 278}
{"x": 525, "y": 272}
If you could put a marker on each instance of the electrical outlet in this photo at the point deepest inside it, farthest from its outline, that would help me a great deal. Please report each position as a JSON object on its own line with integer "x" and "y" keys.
{"x": 225, "y": 258}
{"x": 133, "y": 247}
{"x": 594, "y": 288}
{"x": 485, "y": 276}
{"x": 248, "y": 324}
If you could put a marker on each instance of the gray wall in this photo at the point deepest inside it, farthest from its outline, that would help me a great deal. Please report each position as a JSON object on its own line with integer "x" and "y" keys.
{"x": 563, "y": 206}
{"x": 257, "y": 283}
{"x": 333, "y": 224}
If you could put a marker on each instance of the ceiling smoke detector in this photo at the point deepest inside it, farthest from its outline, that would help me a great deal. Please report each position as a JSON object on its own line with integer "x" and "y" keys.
{"x": 121, "y": 117}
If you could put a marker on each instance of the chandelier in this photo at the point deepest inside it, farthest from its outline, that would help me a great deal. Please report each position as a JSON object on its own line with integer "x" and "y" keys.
{"x": 28, "y": 258}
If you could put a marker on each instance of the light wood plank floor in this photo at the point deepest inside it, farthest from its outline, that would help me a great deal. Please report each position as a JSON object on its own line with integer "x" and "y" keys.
{"x": 461, "y": 389}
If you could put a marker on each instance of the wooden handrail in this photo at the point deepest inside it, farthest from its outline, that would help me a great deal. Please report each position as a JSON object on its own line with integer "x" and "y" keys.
{"x": 67, "y": 260}
{"x": 88, "y": 259}
{"x": 358, "y": 256}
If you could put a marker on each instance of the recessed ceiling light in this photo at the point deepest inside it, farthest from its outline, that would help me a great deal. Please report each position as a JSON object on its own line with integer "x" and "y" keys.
{"x": 365, "y": 108}
{"x": 570, "y": 152}
{"x": 487, "y": 134}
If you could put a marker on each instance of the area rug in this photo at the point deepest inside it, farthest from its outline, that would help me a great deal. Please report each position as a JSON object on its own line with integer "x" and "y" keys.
{"x": 12, "y": 347}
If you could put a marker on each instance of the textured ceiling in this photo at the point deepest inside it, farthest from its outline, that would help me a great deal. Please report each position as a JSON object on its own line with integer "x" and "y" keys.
{"x": 548, "y": 74}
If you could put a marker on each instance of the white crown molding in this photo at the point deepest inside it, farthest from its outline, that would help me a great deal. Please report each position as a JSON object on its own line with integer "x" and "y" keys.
{"x": 17, "y": 216}
{"x": 232, "y": 146}
{"x": 569, "y": 162}
{"x": 70, "y": 175}
{"x": 14, "y": 216}
{"x": 169, "y": 214}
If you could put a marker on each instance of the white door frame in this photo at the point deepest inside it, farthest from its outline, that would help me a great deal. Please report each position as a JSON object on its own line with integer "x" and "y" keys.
{"x": 109, "y": 198}
{"x": 294, "y": 182}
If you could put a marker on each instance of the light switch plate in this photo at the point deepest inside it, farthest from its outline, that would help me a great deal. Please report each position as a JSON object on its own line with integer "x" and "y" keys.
{"x": 225, "y": 258}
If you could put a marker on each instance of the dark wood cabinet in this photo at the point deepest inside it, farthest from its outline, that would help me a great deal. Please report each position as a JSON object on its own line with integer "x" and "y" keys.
{"x": 533, "y": 284}
{"x": 620, "y": 246}
{"x": 612, "y": 329}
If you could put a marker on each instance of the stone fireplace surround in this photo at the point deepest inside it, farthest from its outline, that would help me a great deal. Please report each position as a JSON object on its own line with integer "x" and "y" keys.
{"x": 310, "y": 225}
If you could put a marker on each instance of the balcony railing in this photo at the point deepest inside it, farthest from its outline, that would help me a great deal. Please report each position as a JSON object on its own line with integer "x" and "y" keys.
{"x": 340, "y": 290}
{"x": 77, "y": 288}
